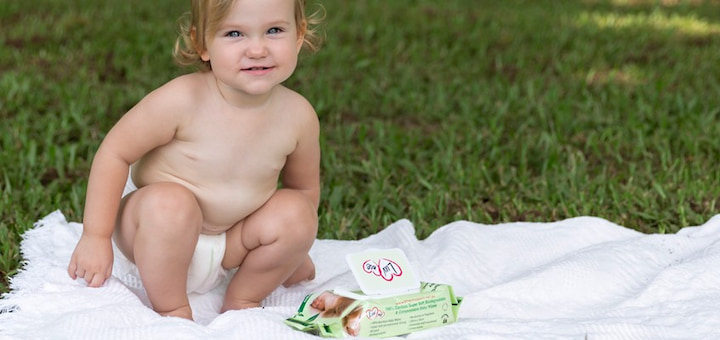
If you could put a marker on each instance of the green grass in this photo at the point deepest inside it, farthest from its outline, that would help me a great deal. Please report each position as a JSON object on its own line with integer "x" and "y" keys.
{"x": 490, "y": 111}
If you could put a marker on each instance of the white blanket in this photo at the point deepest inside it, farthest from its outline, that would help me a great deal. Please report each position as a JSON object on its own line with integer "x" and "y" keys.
{"x": 581, "y": 278}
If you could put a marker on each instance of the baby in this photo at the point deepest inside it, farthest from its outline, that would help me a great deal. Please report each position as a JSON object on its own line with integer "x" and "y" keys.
{"x": 225, "y": 157}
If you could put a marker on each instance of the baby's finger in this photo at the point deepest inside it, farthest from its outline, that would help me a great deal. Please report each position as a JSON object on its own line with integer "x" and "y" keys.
{"x": 95, "y": 280}
{"x": 80, "y": 273}
{"x": 72, "y": 267}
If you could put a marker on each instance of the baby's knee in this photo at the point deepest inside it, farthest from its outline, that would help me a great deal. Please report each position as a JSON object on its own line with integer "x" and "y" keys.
{"x": 291, "y": 217}
{"x": 169, "y": 204}
{"x": 298, "y": 214}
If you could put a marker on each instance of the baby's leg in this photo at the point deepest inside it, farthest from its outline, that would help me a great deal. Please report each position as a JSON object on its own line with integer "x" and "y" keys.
{"x": 270, "y": 246}
{"x": 158, "y": 228}
{"x": 306, "y": 271}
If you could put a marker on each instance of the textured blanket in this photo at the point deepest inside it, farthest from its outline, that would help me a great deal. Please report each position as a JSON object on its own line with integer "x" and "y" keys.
{"x": 581, "y": 278}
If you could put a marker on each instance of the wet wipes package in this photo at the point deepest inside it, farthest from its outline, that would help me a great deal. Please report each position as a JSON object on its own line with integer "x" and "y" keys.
{"x": 383, "y": 272}
{"x": 391, "y": 301}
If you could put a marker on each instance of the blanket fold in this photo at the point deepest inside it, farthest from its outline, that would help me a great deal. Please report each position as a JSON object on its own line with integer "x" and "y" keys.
{"x": 579, "y": 278}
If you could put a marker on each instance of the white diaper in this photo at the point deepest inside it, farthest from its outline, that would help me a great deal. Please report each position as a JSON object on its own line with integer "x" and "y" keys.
{"x": 206, "y": 271}
{"x": 129, "y": 185}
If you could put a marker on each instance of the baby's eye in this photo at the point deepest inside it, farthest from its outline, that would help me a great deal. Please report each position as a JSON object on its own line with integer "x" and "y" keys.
{"x": 275, "y": 30}
{"x": 233, "y": 34}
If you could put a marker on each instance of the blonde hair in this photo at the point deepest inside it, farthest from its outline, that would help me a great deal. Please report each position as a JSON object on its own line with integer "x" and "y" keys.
{"x": 206, "y": 17}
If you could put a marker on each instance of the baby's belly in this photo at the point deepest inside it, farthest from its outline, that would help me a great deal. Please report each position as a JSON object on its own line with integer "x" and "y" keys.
{"x": 227, "y": 192}
{"x": 225, "y": 206}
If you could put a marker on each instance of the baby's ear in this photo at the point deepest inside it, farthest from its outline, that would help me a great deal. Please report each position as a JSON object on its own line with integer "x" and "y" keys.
{"x": 204, "y": 56}
{"x": 302, "y": 28}
{"x": 199, "y": 46}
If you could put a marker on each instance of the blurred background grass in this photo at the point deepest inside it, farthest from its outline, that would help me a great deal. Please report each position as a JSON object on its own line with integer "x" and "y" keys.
{"x": 490, "y": 111}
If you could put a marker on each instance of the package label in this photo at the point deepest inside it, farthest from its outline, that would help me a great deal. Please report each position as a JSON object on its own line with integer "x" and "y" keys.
{"x": 333, "y": 314}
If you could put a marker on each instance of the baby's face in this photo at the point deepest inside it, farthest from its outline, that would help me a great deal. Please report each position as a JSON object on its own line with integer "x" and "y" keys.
{"x": 256, "y": 46}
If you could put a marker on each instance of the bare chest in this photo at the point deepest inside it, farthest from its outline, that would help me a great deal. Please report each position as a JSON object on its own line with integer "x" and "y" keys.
{"x": 228, "y": 153}
{"x": 231, "y": 168}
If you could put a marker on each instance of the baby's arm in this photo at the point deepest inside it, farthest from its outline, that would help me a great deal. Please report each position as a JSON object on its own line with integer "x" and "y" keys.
{"x": 302, "y": 168}
{"x": 93, "y": 257}
{"x": 152, "y": 122}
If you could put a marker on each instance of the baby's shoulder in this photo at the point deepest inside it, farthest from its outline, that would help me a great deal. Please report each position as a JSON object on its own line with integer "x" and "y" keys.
{"x": 184, "y": 86}
{"x": 180, "y": 94}
{"x": 299, "y": 104}
{"x": 298, "y": 113}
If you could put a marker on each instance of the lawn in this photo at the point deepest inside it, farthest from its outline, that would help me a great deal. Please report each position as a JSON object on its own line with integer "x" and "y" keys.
{"x": 489, "y": 111}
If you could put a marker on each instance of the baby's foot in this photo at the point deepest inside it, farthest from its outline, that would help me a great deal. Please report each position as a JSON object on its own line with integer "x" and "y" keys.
{"x": 239, "y": 304}
{"x": 183, "y": 312}
{"x": 306, "y": 271}
{"x": 321, "y": 301}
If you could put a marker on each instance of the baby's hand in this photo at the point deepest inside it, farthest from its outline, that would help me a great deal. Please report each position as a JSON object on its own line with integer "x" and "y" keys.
{"x": 92, "y": 260}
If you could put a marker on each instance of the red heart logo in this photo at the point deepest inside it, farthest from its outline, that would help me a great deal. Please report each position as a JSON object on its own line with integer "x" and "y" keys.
{"x": 385, "y": 268}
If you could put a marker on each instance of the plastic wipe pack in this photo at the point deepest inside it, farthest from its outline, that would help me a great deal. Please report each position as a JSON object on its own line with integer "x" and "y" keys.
{"x": 391, "y": 301}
